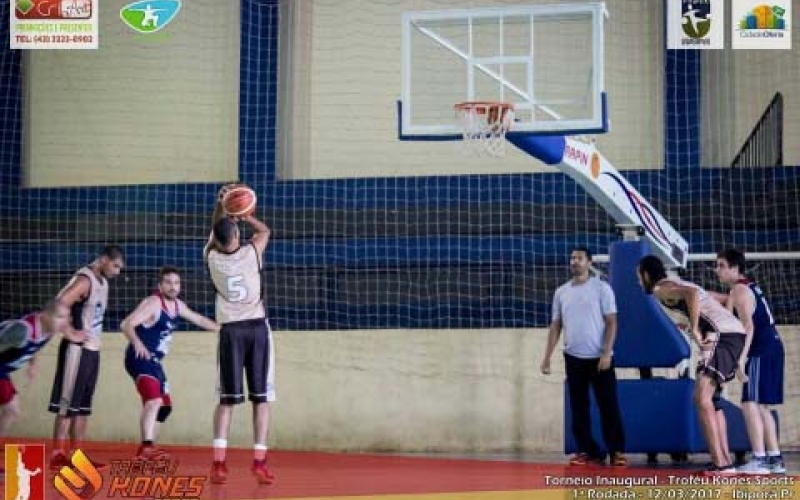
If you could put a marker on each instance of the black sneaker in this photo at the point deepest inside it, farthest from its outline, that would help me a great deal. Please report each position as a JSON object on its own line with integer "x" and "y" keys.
{"x": 776, "y": 465}
{"x": 721, "y": 470}
{"x": 680, "y": 459}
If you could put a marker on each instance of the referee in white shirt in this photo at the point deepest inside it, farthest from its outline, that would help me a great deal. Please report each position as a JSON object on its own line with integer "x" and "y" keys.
{"x": 585, "y": 309}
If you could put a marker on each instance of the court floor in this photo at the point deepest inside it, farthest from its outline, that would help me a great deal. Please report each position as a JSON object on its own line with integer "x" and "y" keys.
{"x": 404, "y": 477}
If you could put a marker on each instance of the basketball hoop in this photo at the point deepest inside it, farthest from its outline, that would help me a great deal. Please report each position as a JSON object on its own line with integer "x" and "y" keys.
{"x": 484, "y": 125}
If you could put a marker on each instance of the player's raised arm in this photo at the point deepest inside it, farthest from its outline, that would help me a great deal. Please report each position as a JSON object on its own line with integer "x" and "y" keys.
{"x": 146, "y": 311}
{"x": 219, "y": 213}
{"x": 219, "y": 210}
{"x": 261, "y": 233}
{"x": 197, "y": 319}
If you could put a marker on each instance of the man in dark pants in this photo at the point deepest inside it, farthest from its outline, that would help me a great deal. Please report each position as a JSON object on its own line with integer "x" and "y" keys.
{"x": 586, "y": 310}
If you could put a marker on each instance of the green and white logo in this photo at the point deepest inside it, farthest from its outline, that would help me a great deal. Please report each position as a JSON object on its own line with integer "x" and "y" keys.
{"x": 149, "y": 16}
{"x": 25, "y": 6}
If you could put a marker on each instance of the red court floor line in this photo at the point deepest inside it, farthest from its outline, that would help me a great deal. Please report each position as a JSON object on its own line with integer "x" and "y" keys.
{"x": 315, "y": 474}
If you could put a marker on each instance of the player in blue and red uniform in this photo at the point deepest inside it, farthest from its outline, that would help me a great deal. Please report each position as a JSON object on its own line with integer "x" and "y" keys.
{"x": 20, "y": 341}
{"x": 149, "y": 329}
{"x": 763, "y": 367}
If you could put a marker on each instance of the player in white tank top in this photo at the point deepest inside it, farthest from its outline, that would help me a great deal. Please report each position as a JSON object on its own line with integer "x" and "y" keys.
{"x": 713, "y": 317}
{"x": 237, "y": 279}
{"x": 721, "y": 338}
{"x": 245, "y": 341}
{"x": 78, "y": 363}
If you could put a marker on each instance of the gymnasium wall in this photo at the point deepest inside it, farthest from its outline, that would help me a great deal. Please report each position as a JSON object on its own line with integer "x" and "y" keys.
{"x": 435, "y": 251}
{"x": 144, "y": 109}
{"x": 390, "y": 390}
{"x": 344, "y": 77}
{"x": 737, "y": 87}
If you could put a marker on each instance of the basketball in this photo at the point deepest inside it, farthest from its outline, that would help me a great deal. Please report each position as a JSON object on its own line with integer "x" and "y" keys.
{"x": 239, "y": 201}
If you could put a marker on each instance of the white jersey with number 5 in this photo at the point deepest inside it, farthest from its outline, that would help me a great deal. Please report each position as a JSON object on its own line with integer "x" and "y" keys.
{"x": 237, "y": 278}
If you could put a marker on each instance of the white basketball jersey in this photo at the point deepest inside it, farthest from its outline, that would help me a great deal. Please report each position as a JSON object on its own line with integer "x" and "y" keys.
{"x": 237, "y": 278}
{"x": 714, "y": 317}
{"x": 88, "y": 314}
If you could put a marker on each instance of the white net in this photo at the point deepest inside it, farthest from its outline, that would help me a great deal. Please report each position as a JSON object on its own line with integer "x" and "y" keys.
{"x": 484, "y": 126}
{"x": 369, "y": 231}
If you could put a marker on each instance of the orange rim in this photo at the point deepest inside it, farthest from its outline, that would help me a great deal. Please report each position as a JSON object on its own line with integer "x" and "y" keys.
{"x": 481, "y": 107}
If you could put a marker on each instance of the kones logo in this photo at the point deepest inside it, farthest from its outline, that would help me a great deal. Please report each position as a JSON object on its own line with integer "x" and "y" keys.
{"x": 696, "y": 18}
{"x": 149, "y": 16}
{"x": 78, "y": 481}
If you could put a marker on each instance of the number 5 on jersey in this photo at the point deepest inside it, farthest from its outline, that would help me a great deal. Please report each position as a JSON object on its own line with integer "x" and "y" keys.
{"x": 237, "y": 291}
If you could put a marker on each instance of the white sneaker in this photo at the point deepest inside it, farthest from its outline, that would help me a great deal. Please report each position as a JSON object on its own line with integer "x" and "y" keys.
{"x": 756, "y": 466}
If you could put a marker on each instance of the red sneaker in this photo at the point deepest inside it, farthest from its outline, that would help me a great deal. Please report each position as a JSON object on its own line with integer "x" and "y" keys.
{"x": 58, "y": 460}
{"x": 219, "y": 473}
{"x": 150, "y": 452}
{"x": 580, "y": 459}
{"x": 263, "y": 475}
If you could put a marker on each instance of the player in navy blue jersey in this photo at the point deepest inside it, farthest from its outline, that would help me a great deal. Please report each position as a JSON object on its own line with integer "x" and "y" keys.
{"x": 149, "y": 329}
{"x": 764, "y": 362}
{"x": 20, "y": 341}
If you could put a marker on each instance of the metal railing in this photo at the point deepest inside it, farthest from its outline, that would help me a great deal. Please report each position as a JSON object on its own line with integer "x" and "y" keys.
{"x": 764, "y": 145}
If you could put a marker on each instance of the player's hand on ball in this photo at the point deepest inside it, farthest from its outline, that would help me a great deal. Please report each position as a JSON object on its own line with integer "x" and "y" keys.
{"x": 224, "y": 190}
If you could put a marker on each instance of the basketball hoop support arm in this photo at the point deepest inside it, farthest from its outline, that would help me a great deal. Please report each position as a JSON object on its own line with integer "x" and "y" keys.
{"x": 585, "y": 165}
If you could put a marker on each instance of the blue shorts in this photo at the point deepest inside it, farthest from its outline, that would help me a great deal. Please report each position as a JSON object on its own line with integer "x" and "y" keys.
{"x": 148, "y": 375}
{"x": 765, "y": 374}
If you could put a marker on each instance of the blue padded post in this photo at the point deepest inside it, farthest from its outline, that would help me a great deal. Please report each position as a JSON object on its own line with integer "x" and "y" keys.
{"x": 646, "y": 337}
{"x": 659, "y": 416}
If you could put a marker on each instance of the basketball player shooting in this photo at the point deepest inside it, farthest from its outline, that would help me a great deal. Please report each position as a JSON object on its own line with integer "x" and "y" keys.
{"x": 20, "y": 342}
{"x": 245, "y": 339}
{"x": 720, "y": 336}
{"x": 149, "y": 329}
